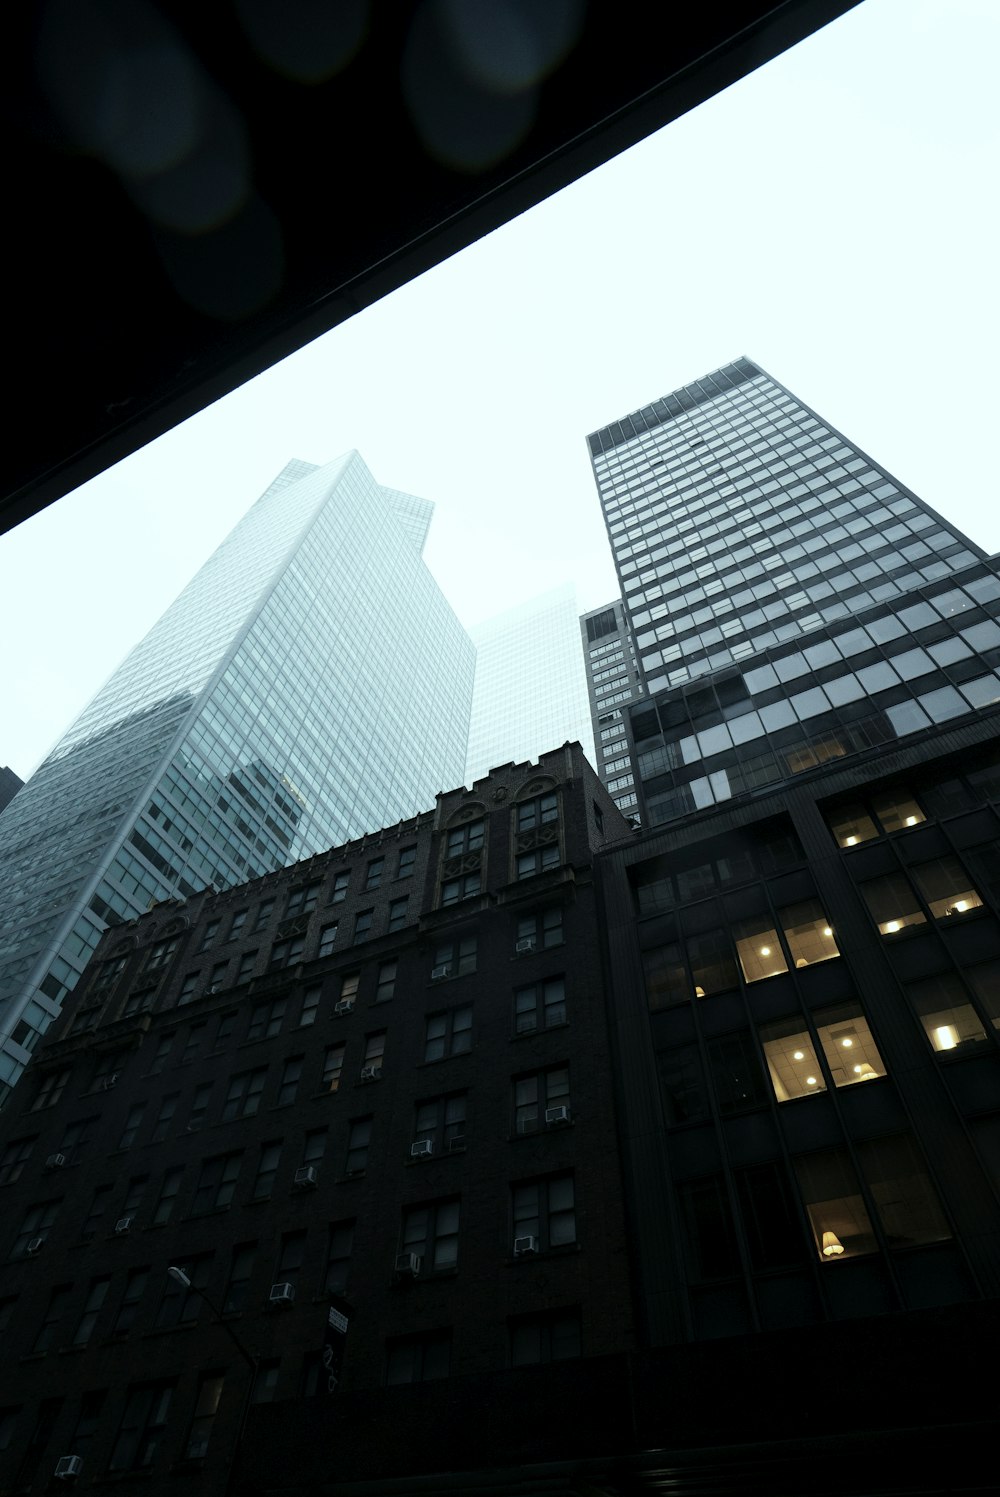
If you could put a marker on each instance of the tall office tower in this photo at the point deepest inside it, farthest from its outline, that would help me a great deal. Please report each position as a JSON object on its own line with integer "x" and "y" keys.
{"x": 10, "y": 784}
{"x": 309, "y": 684}
{"x": 531, "y": 689}
{"x": 612, "y": 681}
{"x": 777, "y": 582}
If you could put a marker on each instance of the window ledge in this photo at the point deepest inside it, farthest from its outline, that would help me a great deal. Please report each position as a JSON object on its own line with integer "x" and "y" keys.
{"x": 533, "y": 1034}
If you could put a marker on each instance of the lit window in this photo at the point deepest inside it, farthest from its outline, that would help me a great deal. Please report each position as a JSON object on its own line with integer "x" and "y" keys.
{"x": 832, "y": 1197}
{"x": 851, "y": 825}
{"x": 896, "y": 810}
{"x": 791, "y": 1060}
{"x": 943, "y": 1007}
{"x": 333, "y": 1065}
{"x": 808, "y": 933}
{"x": 848, "y": 1045}
{"x": 892, "y": 903}
{"x": 758, "y": 949}
{"x": 944, "y": 884}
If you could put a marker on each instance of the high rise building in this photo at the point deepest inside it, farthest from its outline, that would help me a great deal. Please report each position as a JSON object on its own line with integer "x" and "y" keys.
{"x": 776, "y": 581}
{"x": 531, "y": 689}
{"x": 310, "y": 683}
{"x": 612, "y": 682}
{"x": 10, "y": 784}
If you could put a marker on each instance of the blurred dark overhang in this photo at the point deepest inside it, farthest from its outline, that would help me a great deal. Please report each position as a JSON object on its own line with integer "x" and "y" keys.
{"x": 194, "y": 190}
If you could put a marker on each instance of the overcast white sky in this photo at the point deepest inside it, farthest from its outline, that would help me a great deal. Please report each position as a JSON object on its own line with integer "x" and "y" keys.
{"x": 833, "y": 216}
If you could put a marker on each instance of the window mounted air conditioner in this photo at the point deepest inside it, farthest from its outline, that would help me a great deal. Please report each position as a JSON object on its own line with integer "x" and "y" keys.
{"x": 422, "y": 1148}
{"x": 371, "y": 1073}
{"x": 306, "y": 1175}
{"x": 55, "y": 1161}
{"x": 123, "y": 1225}
{"x": 525, "y": 944}
{"x": 67, "y": 1466}
{"x": 556, "y": 1115}
{"x": 407, "y": 1265}
{"x": 344, "y": 1006}
{"x": 523, "y": 1246}
{"x": 282, "y": 1294}
{"x": 442, "y": 970}
{"x": 35, "y": 1246}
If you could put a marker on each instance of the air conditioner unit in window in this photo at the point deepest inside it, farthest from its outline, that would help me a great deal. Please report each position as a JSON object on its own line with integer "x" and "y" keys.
{"x": 67, "y": 1466}
{"x": 123, "y": 1225}
{"x": 456, "y": 1143}
{"x": 407, "y": 1265}
{"x": 525, "y": 1245}
{"x": 525, "y": 944}
{"x": 345, "y": 1006}
{"x": 282, "y": 1294}
{"x": 422, "y": 1148}
{"x": 55, "y": 1161}
{"x": 371, "y": 1073}
{"x": 443, "y": 969}
{"x": 35, "y": 1246}
{"x": 306, "y": 1175}
{"x": 555, "y": 1115}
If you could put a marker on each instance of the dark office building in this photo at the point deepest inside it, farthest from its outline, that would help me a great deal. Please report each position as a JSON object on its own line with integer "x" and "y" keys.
{"x": 380, "y": 1074}
{"x": 10, "y": 784}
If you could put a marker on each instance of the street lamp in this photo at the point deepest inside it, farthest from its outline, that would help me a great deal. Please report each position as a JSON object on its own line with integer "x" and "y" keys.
{"x": 180, "y": 1277}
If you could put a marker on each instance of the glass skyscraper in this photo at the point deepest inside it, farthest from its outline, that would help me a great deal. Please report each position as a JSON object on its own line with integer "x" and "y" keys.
{"x": 791, "y": 602}
{"x": 613, "y": 681}
{"x": 531, "y": 688}
{"x": 310, "y": 684}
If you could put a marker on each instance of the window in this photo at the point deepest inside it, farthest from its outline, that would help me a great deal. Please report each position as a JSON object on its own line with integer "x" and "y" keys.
{"x": 237, "y": 923}
{"x": 263, "y": 914}
{"x": 327, "y": 939}
{"x": 333, "y": 1065}
{"x": 374, "y": 1052}
{"x": 892, "y": 903}
{"x": 216, "y": 1183}
{"x": 397, "y": 914}
{"x": 454, "y": 958}
{"x": 552, "y": 1337}
{"x": 247, "y": 963}
{"x": 896, "y": 810}
{"x": 407, "y": 859}
{"x": 440, "y": 1121}
{"x": 180, "y": 1305}
{"x": 265, "y": 1386}
{"x": 314, "y": 1146}
{"x": 543, "y": 811}
{"x": 758, "y": 948}
{"x": 448, "y": 1033}
{"x": 143, "y": 1425}
{"x": 808, "y": 933}
{"x": 225, "y": 1030}
{"x": 386, "y": 984}
{"x": 944, "y": 1009}
{"x": 50, "y": 1089}
{"x": 832, "y": 1197}
{"x": 243, "y": 1096}
{"x": 539, "y": 931}
{"x": 132, "y": 1124}
{"x": 290, "y": 1258}
{"x": 540, "y": 1006}
{"x": 310, "y": 1006}
{"x": 217, "y": 977}
{"x": 291, "y": 1074}
{"x": 418, "y": 1359}
{"x": 135, "y": 1288}
{"x": 134, "y": 1194}
{"x": 362, "y": 925}
{"x": 534, "y": 1095}
{"x": 848, "y": 1045}
{"x": 205, "y": 1409}
{"x": 465, "y": 839}
{"x": 545, "y": 1210}
{"x": 373, "y": 877}
{"x": 303, "y": 900}
{"x": 359, "y": 1138}
{"x": 431, "y": 1232}
{"x": 539, "y": 861}
{"x": 267, "y": 1169}
{"x": 54, "y": 1311}
{"x": 168, "y": 1106}
{"x": 168, "y": 1195}
{"x": 666, "y": 978}
{"x": 736, "y": 1071}
{"x": 791, "y": 1059}
{"x": 208, "y": 935}
{"x": 195, "y": 1036}
{"x": 163, "y": 1048}
{"x": 907, "y": 1205}
{"x": 37, "y": 1222}
{"x": 945, "y": 885}
{"x": 284, "y": 953}
{"x": 340, "y": 885}
{"x": 683, "y": 1084}
{"x": 338, "y": 1257}
{"x": 266, "y": 1019}
{"x": 713, "y": 969}
{"x": 453, "y": 890}
{"x": 14, "y": 1157}
{"x": 188, "y": 988}
{"x": 770, "y": 1221}
{"x": 92, "y": 1307}
{"x": 160, "y": 954}
{"x": 240, "y": 1272}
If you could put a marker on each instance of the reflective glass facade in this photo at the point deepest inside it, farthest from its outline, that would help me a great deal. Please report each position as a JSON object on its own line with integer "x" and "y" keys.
{"x": 791, "y": 602}
{"x": 531, "y": 687}
{"x": 310, "y": 684}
